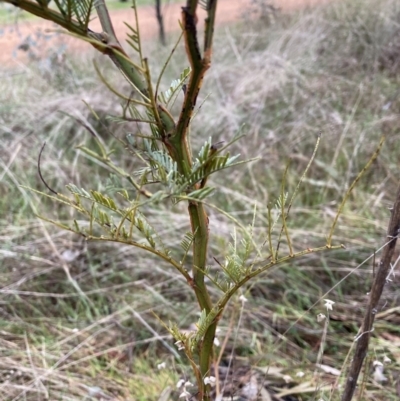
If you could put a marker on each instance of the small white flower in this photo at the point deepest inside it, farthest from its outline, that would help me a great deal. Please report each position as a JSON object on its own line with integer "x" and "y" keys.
{"x": 188, "y": 384}
{"x": 287, "y": 378}
{"x": 95, "y": 392}
{"x": 69, "y": 255}
{"x": 378, "y": 372}
{"x": 242, "y": 299}
{"x": 75, "y": 330}
{"x": 185, "y": 394}
{"x": 328, "y": 304}
{"x": 320, "y": 317}
{"x": 300, "y": 374}
{"x": 180, "y": 345}
{"x": 180, "y": 383}
{"x": 386, "y": 359}
{"x": 161, "y": 365}
{"x": 216, "y": 342}
{"x": 211, "y": 380}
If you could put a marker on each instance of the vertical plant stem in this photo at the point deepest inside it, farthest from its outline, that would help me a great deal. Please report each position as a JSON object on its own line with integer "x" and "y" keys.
{"x": 199, "y": 222}
{"x": 198, "y": 216}
{"x": 209, "y": 29}
{"x": 376, "y": 293}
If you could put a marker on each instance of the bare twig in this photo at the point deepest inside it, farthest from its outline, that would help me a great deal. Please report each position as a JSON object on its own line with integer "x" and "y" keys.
{"x": 376, "y": 293}
{"x": 40, "y": 171}
{"x": 160, "y": 22}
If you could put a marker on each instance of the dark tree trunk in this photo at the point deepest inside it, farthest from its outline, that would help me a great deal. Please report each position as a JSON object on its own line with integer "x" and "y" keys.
{"x": 160, "y": 22}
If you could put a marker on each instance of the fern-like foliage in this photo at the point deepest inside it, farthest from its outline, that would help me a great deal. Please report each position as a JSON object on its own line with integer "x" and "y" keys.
{"x": 80, "y": 11}
{"x": 278, "y": 207}
{"x": 211, "y": 166}
{"x": 116, "y": 221}
{"x": 186, "y": 244}
{"x": 208, "y": 162}
{"x": 200, "y": 194}
{"x": 133, "y": 36}
{"x": 202, "y": 325}
{"x": 236, "y": 260}
{"x": 174, "y": 87}
{"x": 162, "y": 167}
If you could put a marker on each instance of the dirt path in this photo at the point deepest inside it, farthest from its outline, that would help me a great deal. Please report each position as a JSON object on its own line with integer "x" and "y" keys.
{"x": 34, "y": 35}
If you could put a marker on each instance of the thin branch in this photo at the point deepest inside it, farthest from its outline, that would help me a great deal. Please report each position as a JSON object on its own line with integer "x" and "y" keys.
{"x": 166, "y": 64}
{"x": 209, "y": 29}
{"x": 40, "y": 171}
{"x": 160, "y": 22}
{"x": 354, "y": 183}
{"x": 375, "y": 295}
{"x": 105, "y": 19}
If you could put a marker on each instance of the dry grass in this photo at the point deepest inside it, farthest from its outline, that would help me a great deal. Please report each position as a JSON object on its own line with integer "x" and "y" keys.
{"x": 332, "y": 70}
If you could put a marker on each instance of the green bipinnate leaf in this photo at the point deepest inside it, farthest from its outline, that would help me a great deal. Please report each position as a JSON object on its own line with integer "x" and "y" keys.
{"x": 175, "y": 86}
{"x": 79, "y": 11}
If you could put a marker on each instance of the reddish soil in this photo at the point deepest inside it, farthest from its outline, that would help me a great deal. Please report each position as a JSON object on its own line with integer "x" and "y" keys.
{"x": 15, "y": 45}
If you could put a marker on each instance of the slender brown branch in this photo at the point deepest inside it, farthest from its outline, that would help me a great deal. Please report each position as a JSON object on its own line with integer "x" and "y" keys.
{"x": 199, "y": 68}
{"x": 40, "y": 171}
{"x": 209, "y": 31}
{"x": 160, "y": 22}
{"x": 191, "y": 5}
{"x": 372, "y": 308}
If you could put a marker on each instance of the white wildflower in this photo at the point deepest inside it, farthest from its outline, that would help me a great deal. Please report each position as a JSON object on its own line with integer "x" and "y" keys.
{"x": 211, "y": 380}
{"x": 300, "y": 374}
{"x": 216, "y": 342}
{"x": 185, "y": 394}
{"x": 328, "y": 304}
{"x": 161, "y": 365}
{"x": 378, "y": 372}
{"x": 180, "y": 383}
{"x": 180, "y": 345}
{"x": 320, "y": 317}
{"x": 386, "y": 359}
{"x": 242, "y": 299}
